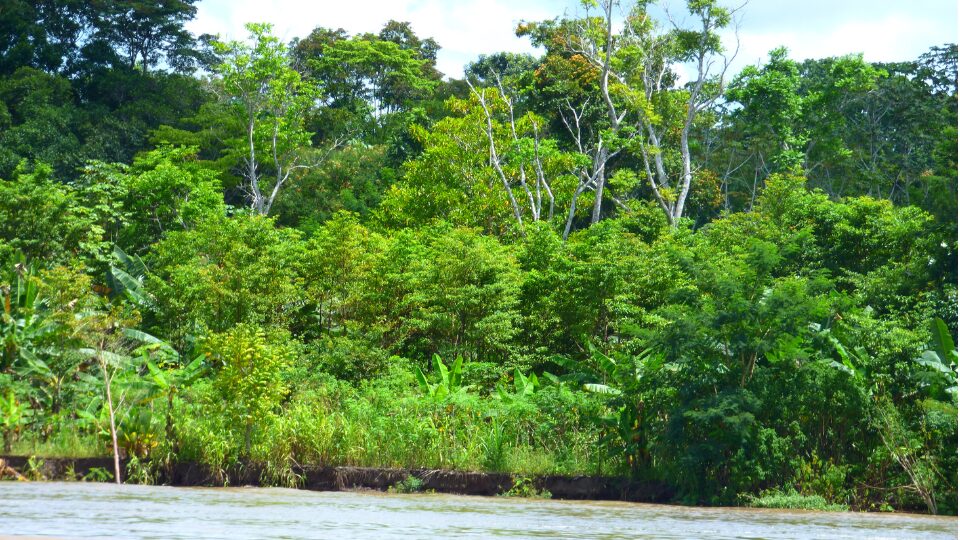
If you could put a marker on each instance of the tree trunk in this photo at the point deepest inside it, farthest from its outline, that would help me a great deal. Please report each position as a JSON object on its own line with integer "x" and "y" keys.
{"x": 247, "y": 439}
{"x": 598, "y": 201}
{"x": 571, "y": 214}
{"x": 169, "y": 422}
{"x": 113, "y": 426}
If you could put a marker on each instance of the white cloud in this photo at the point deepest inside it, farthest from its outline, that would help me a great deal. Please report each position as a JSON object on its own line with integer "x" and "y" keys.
{"x": 889, "y": 39}
{"x": 464, "y": 29}
{"x": 882, "y": 30}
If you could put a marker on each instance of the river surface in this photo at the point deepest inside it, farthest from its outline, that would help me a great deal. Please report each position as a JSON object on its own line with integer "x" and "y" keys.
{"x": 86, "y": 510}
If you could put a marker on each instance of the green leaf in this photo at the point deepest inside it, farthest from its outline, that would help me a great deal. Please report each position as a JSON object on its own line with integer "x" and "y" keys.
{"x": 132, "y": 287}
{"x": 442, "y": 370}
{"x": 108, "y": 357}
{"x": 519, "y": 381}
{"x": 134, "y": 265}
{"x": 158, "y": 376}
{"x": 842, "y": 367}
{"x": 144, "y": 337}
{"x": 943, "y": 342}
{"x": 194, "y": 369}
{"x": 421, "y": 379}
{"x": 457, "y": 373}
{"x": 602, "y": 389}
{"x": 932, "y": 360}
{"x": 607, "y": 365}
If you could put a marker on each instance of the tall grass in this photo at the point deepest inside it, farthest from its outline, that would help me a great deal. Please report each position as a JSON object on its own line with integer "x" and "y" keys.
{"x": 62, "y": 444}
{"x": 388, "y": 423}
{"x": 374, "y": 426}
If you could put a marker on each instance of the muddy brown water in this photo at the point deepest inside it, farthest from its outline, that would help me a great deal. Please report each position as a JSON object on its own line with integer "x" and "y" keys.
{"x": 85, "y": 510}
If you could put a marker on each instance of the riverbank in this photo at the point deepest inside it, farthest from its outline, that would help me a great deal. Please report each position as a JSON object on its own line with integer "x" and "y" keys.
{"x": 396, "y": 480}
{"x": 596, "y": 488}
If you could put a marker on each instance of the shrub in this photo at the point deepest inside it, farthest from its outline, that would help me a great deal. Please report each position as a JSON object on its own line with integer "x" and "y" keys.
{"x": 791, "y": 499}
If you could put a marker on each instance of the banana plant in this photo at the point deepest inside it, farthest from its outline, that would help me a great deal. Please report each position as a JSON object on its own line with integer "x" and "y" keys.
{"x": 523, "y": 387}
{"x": 13, "y": 415}
{"x": 52, "y": 375}
{"x": 450, "y": 383}
{"x": 110, "y": 351}
{"x": 126, "y": 279}
{"x": 163, "y": 377}
{"x": 853, "y": 361}
{"x": 895, "y": 435}
{"x": 623, "y": 381}
{"x": 168, "y": 382}
{"x": 24, "y": 322}
{"x": 940, "y": 361}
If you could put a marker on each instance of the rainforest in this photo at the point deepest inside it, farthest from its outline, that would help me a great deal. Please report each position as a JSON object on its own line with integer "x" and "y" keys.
{"x": 618, "y": 257}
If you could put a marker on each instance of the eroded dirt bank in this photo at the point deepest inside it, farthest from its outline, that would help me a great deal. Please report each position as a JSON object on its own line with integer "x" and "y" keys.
{"x": 349, "y": 478}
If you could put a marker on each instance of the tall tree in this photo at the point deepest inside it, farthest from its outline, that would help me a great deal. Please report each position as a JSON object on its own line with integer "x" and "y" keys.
{"x": 766, "y": 110}
{"x": 645, "y": 113}
{"x": 368, "y": 73}
{"x": 524, "y": 154}
{"x": 143, "y": 33}
{"x": 44, "y": 34}
{"x": 271, "y": 100}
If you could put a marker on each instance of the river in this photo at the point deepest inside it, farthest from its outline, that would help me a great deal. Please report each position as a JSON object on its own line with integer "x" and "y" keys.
{"x": 88, "y": 510}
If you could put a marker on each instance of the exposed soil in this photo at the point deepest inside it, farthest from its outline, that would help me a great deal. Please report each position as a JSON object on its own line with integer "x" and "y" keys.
{"x": 351, "y": 478}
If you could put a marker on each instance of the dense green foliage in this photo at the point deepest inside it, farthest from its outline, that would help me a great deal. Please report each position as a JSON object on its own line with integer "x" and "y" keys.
{"x": 324, "y": 253}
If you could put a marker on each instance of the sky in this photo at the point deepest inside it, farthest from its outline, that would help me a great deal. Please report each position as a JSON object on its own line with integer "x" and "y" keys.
{"x": 883, "y": 30}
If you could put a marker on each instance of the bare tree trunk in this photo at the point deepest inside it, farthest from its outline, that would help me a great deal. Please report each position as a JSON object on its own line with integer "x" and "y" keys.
{"x": 171, "y": 436}
{"x": 598, "y": 201}
{"x": 253, "y": 178}
{"x": 571, "y": 214}
{"x": 113, "y": 423}
{"x": 541, "y": 177}
{"x": 687, "y": 175}
{"x": 611, "y": 110}
{"x": 495, "y": 159}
